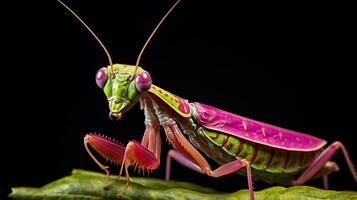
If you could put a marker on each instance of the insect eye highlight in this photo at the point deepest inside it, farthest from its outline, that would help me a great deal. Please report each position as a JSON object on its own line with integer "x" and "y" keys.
{"x": 143, "y": 81}
{"x": 101, "y": 77}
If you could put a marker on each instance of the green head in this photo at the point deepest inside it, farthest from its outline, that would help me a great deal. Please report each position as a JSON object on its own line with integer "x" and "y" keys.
{"x": 123, "y": 85}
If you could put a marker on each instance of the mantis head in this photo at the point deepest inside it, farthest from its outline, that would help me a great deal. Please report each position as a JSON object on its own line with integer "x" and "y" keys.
{"x": 122, "y": 84}
{"x": 122, "y": 87}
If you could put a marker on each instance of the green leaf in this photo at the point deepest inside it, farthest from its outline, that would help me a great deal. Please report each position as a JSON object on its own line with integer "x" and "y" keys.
{"x": 89, "y": 185}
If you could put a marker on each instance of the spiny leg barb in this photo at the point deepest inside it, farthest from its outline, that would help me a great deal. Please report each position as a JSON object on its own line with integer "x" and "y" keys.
{"x": 134, "y": 154}
{"x": 107, "y": 148}
{"x": 138, "y": 156}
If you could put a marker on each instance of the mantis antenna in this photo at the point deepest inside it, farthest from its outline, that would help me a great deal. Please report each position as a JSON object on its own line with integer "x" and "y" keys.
{"x": 152, "y": 34}
{"x": 94, "y": 35}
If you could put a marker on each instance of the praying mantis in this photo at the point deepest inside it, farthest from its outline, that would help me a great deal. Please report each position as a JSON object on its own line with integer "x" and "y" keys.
{"x": 196, "y": 131}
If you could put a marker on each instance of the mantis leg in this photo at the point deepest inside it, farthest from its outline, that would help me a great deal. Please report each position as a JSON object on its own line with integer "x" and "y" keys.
{"x": 151, "y": 138}
{"x": 182, "y": 160}
{"x": 196, "y": 161}
{"x": 325, "y": 182}
{"x": 321, "y": 160}
{"x": 133, "y": 154}
{"x": 144, "y": 155}
{"x": 107, "y": 148}
{"x": 138, "y": 156}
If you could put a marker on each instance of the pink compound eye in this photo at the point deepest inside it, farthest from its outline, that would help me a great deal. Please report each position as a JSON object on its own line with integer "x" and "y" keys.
{"x": 143, "y": 81}
{"x": 101, "y": 77}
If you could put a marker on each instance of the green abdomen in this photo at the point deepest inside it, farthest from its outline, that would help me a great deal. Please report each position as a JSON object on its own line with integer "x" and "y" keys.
{"x": 267, "y": 163}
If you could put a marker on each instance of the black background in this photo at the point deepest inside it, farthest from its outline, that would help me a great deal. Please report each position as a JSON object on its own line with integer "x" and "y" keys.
{"x": 288, "y": 64}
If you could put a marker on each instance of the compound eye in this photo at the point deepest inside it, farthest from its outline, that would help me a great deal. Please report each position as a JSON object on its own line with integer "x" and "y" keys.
{"x": 101, "y": 77}
{"x": 143, "y": 81}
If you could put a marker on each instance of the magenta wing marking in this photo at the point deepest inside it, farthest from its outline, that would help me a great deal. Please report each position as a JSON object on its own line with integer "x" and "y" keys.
{"x": 255, "y": 131}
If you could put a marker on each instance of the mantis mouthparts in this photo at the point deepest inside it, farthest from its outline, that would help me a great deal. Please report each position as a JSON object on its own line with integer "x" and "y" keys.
{"x": 115, "y": 115}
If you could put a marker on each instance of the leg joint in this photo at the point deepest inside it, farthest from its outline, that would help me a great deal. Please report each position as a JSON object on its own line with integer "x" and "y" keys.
{"x": 337, "y": 144}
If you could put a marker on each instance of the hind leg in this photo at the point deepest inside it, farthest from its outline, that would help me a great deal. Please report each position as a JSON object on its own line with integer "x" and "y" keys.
{"x": 321, "y": 160}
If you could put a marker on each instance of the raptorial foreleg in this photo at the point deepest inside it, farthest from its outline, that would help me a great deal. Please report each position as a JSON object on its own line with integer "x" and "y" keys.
{"x": 151, "y": 138}
{"x": 107, "y": 148}
{"x": 144, "y": 155}
{"x": 138, "y": 156}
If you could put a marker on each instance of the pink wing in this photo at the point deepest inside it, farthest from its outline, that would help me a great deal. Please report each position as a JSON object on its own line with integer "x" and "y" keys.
{"x": 254, "y": 131}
